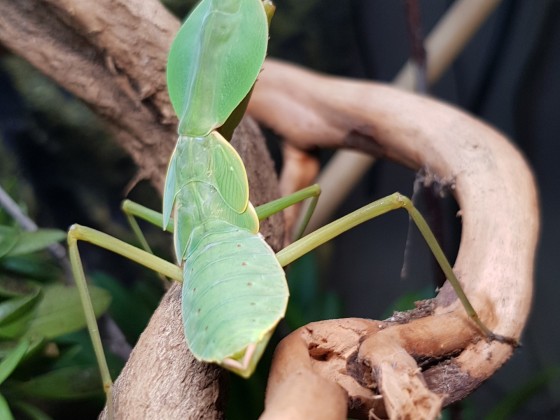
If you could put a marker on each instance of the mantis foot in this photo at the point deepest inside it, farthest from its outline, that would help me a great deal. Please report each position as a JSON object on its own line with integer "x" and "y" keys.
{"x": 503, "y": 339}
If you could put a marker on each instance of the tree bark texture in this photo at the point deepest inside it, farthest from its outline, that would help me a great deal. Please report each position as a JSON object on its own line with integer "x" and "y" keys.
{"x": 112, "y": 53}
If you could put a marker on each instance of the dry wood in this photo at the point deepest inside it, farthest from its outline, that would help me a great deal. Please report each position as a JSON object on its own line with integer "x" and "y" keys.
{"x": 496, "y": 192}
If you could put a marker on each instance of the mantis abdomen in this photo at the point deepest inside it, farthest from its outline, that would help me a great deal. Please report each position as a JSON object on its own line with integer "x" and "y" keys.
{"x": 234, "y": 292}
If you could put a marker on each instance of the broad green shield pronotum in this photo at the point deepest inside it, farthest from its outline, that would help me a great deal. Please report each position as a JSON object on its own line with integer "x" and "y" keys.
{"x": 234, "y": 288}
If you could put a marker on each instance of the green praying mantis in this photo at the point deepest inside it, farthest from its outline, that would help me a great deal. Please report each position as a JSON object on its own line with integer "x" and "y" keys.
{"x": 234, "y": 288}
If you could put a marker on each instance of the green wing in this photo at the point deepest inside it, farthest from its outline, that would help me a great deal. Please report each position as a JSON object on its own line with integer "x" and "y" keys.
{"x": 229, "y": 174}
{"x": 234, "y": 292}
{"x": 206, "y": 181}
{"x": 211, "y": 160}
{"x": 208, "y": 74}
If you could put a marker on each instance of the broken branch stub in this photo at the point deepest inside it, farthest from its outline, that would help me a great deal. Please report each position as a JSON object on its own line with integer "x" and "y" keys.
{"x": 433, "y": 357}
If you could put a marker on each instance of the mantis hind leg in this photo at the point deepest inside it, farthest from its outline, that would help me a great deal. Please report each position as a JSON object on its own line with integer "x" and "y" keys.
{"x": 370, "y": 211}
{"x": 82, "y": 233}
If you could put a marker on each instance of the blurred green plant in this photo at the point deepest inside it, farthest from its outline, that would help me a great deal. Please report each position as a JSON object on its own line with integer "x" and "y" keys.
{"x": 40, "y": 360}
{"x": 47, "y": 364}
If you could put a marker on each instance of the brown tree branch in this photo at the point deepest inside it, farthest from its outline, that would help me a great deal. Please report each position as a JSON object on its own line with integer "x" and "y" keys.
{"x": 496, "y": 192}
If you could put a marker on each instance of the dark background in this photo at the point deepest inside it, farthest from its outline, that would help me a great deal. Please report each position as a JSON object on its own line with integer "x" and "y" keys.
{"x": 509, "y": 76}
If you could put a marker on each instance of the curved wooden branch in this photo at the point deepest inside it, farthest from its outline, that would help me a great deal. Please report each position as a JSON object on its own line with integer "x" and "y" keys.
{"x": 497, "y": 196}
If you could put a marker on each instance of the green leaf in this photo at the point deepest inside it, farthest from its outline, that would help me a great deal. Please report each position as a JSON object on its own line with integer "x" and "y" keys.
{"x": 5, "y": 412}
{"x": 6, "y": 347}
{"x": 8, "y": 239}
{"x": 14, "y": 308}
{"x": 63, "y": 384}
{"x": 35, "y": 266}
{"x": 18, "y": 327}
{"x": 29, "y": 242}
{"x": 76, "y": 350}
{"x": 11, "y": 361}
{"x": 60, "y": 311}
{"x": 140, "y": 299}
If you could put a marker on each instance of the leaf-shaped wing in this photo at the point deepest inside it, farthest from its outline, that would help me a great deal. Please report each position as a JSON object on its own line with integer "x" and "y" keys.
{"x": 234, "y": 293}
{"x": 229, "y": 174}
{"x": 214, "y": 61}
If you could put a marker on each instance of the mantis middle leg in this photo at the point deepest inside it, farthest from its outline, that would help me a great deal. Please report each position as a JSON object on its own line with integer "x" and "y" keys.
{"x": 134, "y": 210}
{"x": 330, "y": 231}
